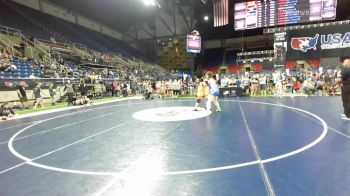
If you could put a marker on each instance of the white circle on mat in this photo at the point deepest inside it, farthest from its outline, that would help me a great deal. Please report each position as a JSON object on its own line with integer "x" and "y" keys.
{"x": 167, "y": 173}
{"x": 167, "y": 114}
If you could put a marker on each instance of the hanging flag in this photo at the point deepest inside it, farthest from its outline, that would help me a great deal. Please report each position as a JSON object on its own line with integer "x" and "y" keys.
{"x": 221, "y": 14}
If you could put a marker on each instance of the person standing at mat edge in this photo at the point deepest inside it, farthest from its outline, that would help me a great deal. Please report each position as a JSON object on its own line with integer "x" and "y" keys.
{"x": 213, "y": 92}
{"x": 345, "y": 90}
{"x": 70, "y": 92}
{"x": 37, "y": 94}
{"x": 202, "y": 93}
{"x": 22, "y": 95}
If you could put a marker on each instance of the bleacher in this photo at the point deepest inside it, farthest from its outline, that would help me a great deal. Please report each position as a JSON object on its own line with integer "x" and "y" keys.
{"x": 72, "y": 65}
{"x": 24, "y": 70}
{"x": 31, "y": 23}
{"x": 36, "y": 24}
{"x": 11, "y": 18}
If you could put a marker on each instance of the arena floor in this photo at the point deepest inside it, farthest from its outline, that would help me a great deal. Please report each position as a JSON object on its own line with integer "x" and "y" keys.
{"x": 256, "y": 146}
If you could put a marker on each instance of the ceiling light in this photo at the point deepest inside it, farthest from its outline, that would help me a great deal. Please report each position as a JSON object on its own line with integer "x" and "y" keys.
{"x": 149, "y": 2}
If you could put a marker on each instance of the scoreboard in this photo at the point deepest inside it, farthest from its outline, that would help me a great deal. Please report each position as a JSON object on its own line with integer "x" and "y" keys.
{"x": 266, "y": 13}
{"x": 193, "y": 44}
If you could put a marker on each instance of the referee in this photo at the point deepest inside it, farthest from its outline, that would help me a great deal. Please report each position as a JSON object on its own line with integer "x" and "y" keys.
{"x": 345, "y": 90}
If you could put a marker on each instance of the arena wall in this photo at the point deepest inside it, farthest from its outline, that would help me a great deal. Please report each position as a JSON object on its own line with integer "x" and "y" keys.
{"x": 63, "y": 13}
{"x": 53, "y": 10}
{"x": 29, "y": 3}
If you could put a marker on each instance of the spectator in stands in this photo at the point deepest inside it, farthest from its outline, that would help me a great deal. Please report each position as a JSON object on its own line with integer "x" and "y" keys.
{"x": 32, "y": 76}
{"x": 37, "y": 94}
{"x": 56, "y": 74}
{"x": 6, "y": 112}
{"x": 6, "y": 66}
{"x": 22, "y": 48}
{"x": 41, "y": 64}
{"x": 48, "y": 73}
{"x": 105, "y": 73}
{"x": 22, "y": 95}
{"x": 30, "y": 62}
{"x": 69, "y": 88}
{"x": 54, "y": 65}
{"x": 6, "y": 54}
{"x": 12, "y": 68}
{"x": 3, "y": 66}
{"x": 70, "y": 72}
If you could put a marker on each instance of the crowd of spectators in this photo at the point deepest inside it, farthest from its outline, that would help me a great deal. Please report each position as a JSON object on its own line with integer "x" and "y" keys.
{"x": 112, "y": 79}
{"x": 5, "y": 61}
{"x": 6, "y": 112}
{"x": 97, "y": 57}
{"x": 171, "y": 88}
{"x": 151, "y": 85}
{"x": 280, "y": 83}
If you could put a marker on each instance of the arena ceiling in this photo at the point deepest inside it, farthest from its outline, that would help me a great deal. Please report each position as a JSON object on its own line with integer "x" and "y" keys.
{"x": 209, "y": 32}
{"x": 153, "y": 26}
{"x": 118, "y": 14}
{"x": 132, "y": 15}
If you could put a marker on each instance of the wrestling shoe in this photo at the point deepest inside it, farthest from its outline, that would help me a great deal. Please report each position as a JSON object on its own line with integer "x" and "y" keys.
{"x": 345, "y": 118}
{"x": 218, "y": 110}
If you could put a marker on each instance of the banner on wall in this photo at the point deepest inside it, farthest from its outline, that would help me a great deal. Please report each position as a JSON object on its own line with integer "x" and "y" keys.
{"x": 321, "y": 42}
{"x": 11, "y": 84}
{"x": 280, "y": 49}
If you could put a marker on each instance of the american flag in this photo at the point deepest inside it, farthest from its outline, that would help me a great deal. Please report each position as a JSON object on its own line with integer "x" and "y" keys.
{"x": 221, "y": 14}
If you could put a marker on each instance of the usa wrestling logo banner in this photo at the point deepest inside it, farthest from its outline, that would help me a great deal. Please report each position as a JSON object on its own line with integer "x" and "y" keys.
{"x": 319, "y": 42}
{"x": 304, "y": 43}
{"x": 330, "y": 41}
{"x": 335, "y": 41}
